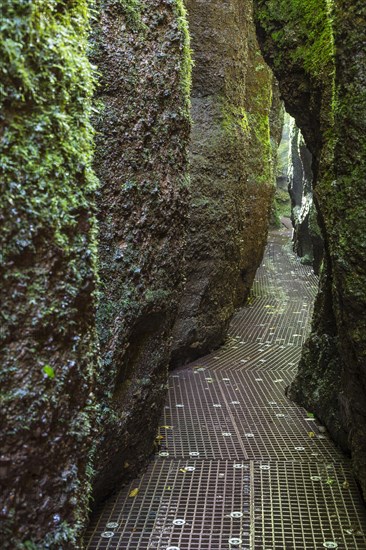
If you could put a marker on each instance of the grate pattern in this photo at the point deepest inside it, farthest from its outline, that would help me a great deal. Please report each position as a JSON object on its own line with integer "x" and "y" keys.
{"x": 240, "y": 465}
{"x": 220, "y": 415}
{"x": 237, "y": 355}
{"x": 276, "y": 505}
{"x": 304, "y": 505}
{"x": 203, "y": 498}
{"x": 282, "y": 322}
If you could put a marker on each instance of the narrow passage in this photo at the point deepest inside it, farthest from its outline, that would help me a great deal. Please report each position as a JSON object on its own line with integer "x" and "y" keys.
{"x": 241, "y": 466}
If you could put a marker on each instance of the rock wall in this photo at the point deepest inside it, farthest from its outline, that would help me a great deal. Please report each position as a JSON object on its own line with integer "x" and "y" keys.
{"x": 317, "y": 50}
{"x": 231, "y": 172}
{"x": 47, "y": 274}
{"x": 308, "y": 243}
{"x": 142, "y": 52}
{"x": 282, "y": 203}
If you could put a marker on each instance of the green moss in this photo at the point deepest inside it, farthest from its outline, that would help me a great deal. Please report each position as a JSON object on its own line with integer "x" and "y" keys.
{"x": 48, "y": 253}
{"x": 234, "y": 118}
{"x": 299, "y": 38}
{"x": 305, "y": 26}
{"x": 259, "y": 101}
{"x": 251, "y": 121}
{"x": 283, "y": 203}
{"x": 45, "y": 104}
{"x": 186, "y": 62}
{"x": 133, "y": 12}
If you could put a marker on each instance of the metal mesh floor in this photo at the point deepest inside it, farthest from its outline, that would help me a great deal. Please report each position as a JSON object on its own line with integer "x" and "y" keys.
{"x": 240, "y": 465}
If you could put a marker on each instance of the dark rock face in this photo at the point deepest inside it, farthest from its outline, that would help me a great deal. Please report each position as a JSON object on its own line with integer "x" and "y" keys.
{"x": 47, "y": 275}
{"x": 231, "y": 173}
{"x": 308, "y": 243}
{"x": 142, "y": 52}
{"x": 320, "y": 61}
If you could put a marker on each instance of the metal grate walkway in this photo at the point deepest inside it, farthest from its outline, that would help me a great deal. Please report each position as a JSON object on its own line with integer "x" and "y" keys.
{"x": 240, "y": 465}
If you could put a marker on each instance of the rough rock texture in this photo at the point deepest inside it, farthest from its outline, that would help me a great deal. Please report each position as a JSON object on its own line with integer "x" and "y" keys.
{"x": 283, "y": 155}
{"x": 308, "y": 243}
{"x": 318, "y": 52}
{"x": 142, "y": 53}
{"x": 282, "y": 203}
{"x": 231, "y": 172}
{"x": 47, "y": 274}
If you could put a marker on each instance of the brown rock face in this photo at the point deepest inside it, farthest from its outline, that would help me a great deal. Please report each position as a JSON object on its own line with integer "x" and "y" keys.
{"x": 231, "y": 173}
{"x": 318, "y": 52}
{"x": 142, "y": 53}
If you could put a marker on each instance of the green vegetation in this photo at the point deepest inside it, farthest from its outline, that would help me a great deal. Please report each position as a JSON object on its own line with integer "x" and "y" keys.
{"x": 258, "y": 106}
{"x": 305, "y": 26}
{"x": 133, "y": 12}
{"x": 47, "y": 264}
{"x": 251, "y": 120}
{"x": 283, "y": 203}
{"x": 45, "y": 93}
{"x": 186, "y": 63}
{"x": 49, "y": 371}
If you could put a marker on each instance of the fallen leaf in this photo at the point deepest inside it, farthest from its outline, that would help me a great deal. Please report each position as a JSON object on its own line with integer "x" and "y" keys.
{"x": 166, "y": 427}
{"x": 48, "y": 371}
{"x": 311, "y": 434}
{"x": 133, "y": 493}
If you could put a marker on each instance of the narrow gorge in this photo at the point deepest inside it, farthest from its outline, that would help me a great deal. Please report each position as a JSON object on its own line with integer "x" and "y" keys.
{"x": 140, "y": 145}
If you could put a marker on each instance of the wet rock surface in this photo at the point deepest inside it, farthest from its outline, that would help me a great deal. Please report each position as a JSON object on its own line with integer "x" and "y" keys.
{"x": 231, "y": 173}
{"x": 48, "y": 344}
{"x": 141, "y": 50}
{"x": 324, "y": 89}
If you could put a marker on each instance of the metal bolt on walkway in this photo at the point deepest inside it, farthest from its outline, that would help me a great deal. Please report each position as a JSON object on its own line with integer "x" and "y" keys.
{"x": 241, "y": 466}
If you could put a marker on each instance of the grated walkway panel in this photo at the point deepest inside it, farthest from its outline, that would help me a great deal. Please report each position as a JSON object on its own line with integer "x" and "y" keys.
{"x": 240, "y": 465}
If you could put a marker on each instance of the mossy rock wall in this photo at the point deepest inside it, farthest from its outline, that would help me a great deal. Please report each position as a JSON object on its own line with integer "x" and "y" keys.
{"x": 47, "y": 274}
{"x": 231, "y": 172}
{"x": 318, "y": 52}
{"x": 142, "y": 52}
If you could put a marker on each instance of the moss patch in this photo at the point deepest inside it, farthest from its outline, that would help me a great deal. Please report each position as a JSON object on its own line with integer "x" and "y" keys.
{"x": 47, "y": 269}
